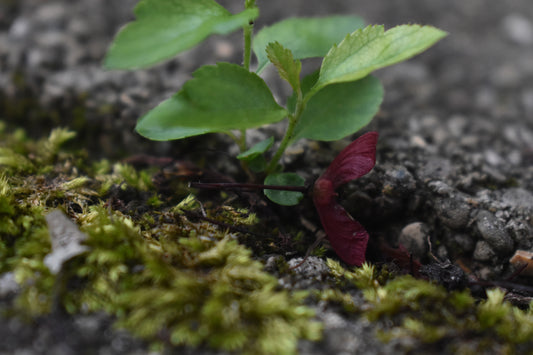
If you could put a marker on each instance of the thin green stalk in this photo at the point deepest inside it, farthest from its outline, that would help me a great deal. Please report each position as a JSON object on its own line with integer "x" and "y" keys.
{"x": 248, "y": 31}
{"x": 242, "y": 141}
{"x": 293, "y": 120}
{"x": 239, "y": 140}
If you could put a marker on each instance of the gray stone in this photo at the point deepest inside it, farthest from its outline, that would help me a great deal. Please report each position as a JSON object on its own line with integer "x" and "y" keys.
{"x": 494, "y": 233}
{"x": 453, "y": 212}
{"x": 313, "y": 267}
{"x": 437, "y": 168}
{"x": 518, "y": 198}
{"x": 522, "y": 232}
{"x": 414, "y": 238}
{"x": 483, "y": 252}
{"x": 440, "y": 188}
{"x": 8, "y": 285}
{"x": 519, "y": 29}
{"x": 399, "y": 181}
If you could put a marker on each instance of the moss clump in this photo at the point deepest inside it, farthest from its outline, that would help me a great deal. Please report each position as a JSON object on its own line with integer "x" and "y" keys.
{"x": 23, "y": 244}
{"x": 193, "y": 282}
{"x": 409, "y": 307}
{"x": 166, "y": 278}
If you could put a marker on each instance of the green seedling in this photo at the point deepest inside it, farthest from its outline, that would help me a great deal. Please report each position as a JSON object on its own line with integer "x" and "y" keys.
{"x": 335, "y": 101}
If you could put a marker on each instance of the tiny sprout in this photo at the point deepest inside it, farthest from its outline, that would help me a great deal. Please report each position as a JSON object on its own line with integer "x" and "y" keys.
{"x": 231, "y": 99}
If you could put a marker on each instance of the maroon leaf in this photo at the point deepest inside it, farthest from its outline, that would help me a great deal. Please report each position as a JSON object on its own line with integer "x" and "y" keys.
{"x": 356, "y": 160}
{"x": 347, "y": 236}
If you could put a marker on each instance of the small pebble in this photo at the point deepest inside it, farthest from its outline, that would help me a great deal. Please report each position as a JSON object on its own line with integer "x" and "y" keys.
{"x": 518, "y": 198}
{"x": 453, "y": 212}
{"x": 399, "y": 182}
{"x": 313, "y": 267}
{"x": 8, "y": 285}
{"x": 483, "y": 252}
{"x": 494, "y": 233}
{"x": 414, "y": 238}
{"x": 519, "y": 29}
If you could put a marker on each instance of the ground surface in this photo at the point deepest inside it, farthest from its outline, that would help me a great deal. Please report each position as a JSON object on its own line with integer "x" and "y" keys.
{"x": 455, "y": 156}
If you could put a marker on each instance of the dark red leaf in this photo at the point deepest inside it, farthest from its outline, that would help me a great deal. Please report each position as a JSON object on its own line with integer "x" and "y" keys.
{"x": 356, "y": 160}
{"x": 347, "y": 236}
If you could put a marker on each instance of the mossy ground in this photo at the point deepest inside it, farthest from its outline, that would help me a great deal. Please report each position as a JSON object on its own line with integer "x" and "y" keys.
{"x": 174, "y": 278}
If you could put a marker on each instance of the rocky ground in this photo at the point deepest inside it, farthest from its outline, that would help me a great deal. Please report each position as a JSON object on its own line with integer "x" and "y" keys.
{"x": 454, "y": 175}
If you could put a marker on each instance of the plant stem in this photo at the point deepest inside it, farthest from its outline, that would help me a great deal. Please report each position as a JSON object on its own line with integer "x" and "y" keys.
{"x": 293, "y": 120}
{"x": 244, "y": 186}
{"x": 242, "y": 141}
{"x": 248, "y": 31}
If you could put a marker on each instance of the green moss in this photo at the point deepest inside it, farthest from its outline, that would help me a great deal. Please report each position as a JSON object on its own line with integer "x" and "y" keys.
{"x": 23, "y": 244}
{"x": 126, "y": 174}
{"x": 363, "y": 277}
{"x": 409, "y": 307}
{"x": 345, "y": 300}
{"x": 157, "y": 272}
{"x": 195, "y": 282}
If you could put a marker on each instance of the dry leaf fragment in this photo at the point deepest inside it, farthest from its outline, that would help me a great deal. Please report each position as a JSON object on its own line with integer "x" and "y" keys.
{"x": 66, "y": 239}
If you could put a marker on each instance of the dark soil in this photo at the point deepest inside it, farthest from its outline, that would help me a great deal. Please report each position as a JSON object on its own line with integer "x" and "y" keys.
{"x": 454, "y": 176}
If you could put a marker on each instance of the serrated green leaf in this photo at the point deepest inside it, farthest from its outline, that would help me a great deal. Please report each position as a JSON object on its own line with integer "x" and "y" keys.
{"x": 257, "y": 149}
{"x": 339, "y": 110}
{"x": 234, "y": 97}
{"x": 285, "y": 198}
{"x": 218, "y": 99}
{"x": 371, "y": 48}
{"x": 164, "y": 28}
{"x": 288, "y": 68}
{"x": 305, "y": 37}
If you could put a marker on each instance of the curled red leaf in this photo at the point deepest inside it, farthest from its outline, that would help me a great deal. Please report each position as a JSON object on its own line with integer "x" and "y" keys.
{"x": 347, "y": 236}
{"x": 354, "y": 161}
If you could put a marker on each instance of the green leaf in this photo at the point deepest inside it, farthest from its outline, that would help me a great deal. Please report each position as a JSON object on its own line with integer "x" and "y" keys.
{"x": 288, "y": 68}
{"x": 164, "y": 28}
{"x": 218, "y": 99}
{"x": 257, "y": 149}
{"x": 285, "y": 198}
{"x": 257, "y": 164}
{"x": 371, "y": 48}
{"x": 254, "y": 156}
{"x": 233, "y": 97}
{"x": 305, "y": 37}
{"x": 162, "y": 122}
{"x": 339, "y": 110}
